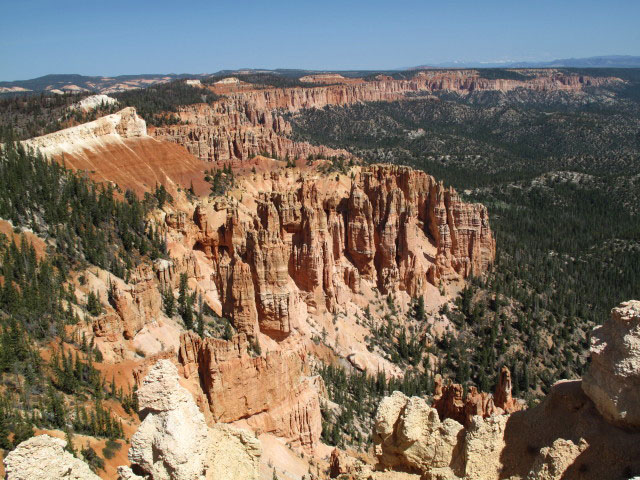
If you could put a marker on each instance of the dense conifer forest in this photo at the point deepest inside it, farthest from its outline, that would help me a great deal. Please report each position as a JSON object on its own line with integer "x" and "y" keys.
{"x": 83, "y": 224}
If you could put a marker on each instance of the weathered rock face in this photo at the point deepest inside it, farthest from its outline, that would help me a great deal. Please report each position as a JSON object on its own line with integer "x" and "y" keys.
{"x": 134, "y": 307}
{"x": 456, "y": 437}
{"x": 613, "y": 378}
{"x": 562, "y": 437}
{"x": 484, "y": 442}
{"x": 272, "y": 392}
{"x": 449, "y": 401}
{"x": 234, "y": 454}
{"x": 44, "y": 458}
{"x": 173, "y": 441}
{"x": 309, "y": 242}
{"x": 409, "y": 435}
{"x": 553, "y": 461}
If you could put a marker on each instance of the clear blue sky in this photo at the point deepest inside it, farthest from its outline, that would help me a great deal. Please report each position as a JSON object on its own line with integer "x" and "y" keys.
{"x": 117, "y": 37}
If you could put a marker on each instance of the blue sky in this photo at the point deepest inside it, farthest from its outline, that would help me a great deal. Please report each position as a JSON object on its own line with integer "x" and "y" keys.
{"x": 117, "y": 37}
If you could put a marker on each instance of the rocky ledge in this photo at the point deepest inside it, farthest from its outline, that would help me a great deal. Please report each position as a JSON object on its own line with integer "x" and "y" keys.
{"x": 613, "y": 378}
{"x": 583, "y": 430}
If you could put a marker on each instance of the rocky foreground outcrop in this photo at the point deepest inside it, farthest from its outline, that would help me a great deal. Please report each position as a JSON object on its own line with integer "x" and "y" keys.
{"x": 411, "y": 436}
{"x": 174, "y": 443}
{"x": 613, "y": 378}
{"x": 45, "y": 458}
{"x": 569, "y": 435}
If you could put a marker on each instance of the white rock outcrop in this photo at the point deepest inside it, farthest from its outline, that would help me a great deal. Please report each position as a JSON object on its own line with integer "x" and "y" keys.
{"x": 613, "y": 378}
{"x": 484, "y": 442}
{"x": 234, "y": 454}
{"x": 93, "y": 101}
{"x": 174, "y": 442}
{"x": 101, "y": 132}
{"x": 171, "y": 441}
{"x": 44, "y": 458}
{"x": 409, "y": 435}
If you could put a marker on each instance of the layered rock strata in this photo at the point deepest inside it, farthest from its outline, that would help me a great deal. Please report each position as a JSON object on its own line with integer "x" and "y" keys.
{"x": 247, "y": 123}
{"x": 234, "y": 131}
{"x": 272, "y": 393}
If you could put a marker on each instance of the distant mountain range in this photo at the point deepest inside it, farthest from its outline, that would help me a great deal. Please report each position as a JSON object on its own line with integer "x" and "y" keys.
{"x": 61, "y": 83}
{"x": 606, "y": 61}
{"x": 64, "y": 83}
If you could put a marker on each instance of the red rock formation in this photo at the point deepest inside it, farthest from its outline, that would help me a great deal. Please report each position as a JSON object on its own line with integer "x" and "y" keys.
{"x": 502, "y": 396}
{"x": 272, "y": 393}
{"x": 450, "y": 402}
{"x": 228, "y": 132}
{"x": 134, "y": 307}
{"x": 309, "y": 242}
{"x": 238, "y": 296}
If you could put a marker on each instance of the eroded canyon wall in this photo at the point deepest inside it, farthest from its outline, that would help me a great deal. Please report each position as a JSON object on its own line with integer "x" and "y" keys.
{"x": 274, "y": 393}
{"x": 249, "y": 122}
{"x": 312, "y": 243}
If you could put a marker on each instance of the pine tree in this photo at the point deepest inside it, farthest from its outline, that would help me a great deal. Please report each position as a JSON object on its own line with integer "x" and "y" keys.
{"x": 169, "y": 302}
{"x": 69, "y": 438}
{"x": 420, "y": 313}
{"x": 200, "y": 317}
